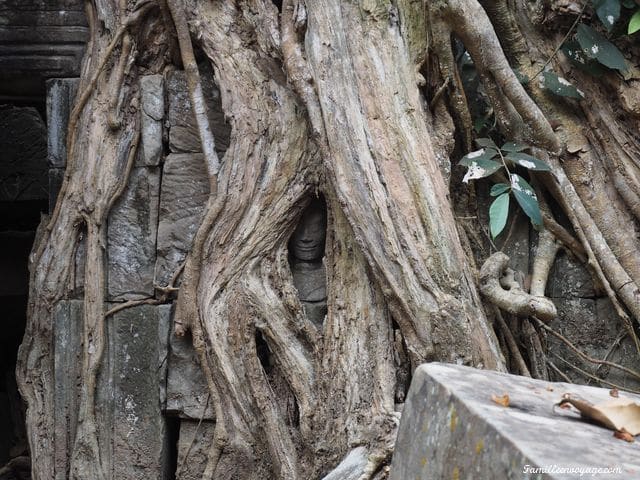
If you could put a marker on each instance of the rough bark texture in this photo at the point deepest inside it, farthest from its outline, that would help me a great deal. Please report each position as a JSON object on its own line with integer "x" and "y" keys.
{"x": 359, "y": 102}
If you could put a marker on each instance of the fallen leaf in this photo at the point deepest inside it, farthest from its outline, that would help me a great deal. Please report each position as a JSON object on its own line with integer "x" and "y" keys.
{"x": 614, "y": 392}
{"x": 502, "y": 400}
{"x": 624, "y": 435}
{"x": 615, "y": 414}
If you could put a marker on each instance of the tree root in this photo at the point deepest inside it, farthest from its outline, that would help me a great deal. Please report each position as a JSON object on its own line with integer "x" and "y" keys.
{"x": 82, "y": 98}
{"x": 583, "y": 355}
{"x": 602, "y": 381}
{"x": 196, "y": 95}
{"x": 511, "y": 343}
{"x": 293, "y": 19}
{"x": 494, "y": 274}
{"x": 545, "y": 255}
{"x": 470, "y": 23}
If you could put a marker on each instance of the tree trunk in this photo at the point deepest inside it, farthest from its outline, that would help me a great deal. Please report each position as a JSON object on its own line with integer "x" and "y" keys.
{"x": 333, "y": 100}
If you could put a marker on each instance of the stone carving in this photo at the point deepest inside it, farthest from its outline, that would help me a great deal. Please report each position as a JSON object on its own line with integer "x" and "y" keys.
{"x": 307, "y": 249}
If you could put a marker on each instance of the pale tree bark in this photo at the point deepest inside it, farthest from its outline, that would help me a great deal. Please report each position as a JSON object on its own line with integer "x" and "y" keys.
{"x": 360, "y": 102}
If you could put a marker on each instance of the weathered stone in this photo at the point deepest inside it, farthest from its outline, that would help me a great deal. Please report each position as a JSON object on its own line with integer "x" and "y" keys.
{"x": 184, "y": 139}
{"x": 307, "y": 249}
{"x": 56, "y": 176}
{"x": 451, "y": 428}
{"x": 136, "y": 344}
{"x": 61, "y": 93}
{"x": 315, "y": 311}
{"x": 40, "y": 39}
{"x": 164, "y": 330}
{"x": 67, "y": 334}
{"x": 151, "y": 120}
{"x": 578, "y": 320}
{"x": 569, "y": 279}
{"x": 183, "y": 132}
{"x": 194, "y": 445}
{"x": 23, "y": 163}
{"x": 131, "y": 237}
{"x": 185, "y": 187}
{"x": 187, "y": 390}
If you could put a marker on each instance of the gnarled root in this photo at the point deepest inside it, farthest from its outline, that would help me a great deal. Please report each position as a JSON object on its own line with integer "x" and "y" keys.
{"x": 498, "y": 285}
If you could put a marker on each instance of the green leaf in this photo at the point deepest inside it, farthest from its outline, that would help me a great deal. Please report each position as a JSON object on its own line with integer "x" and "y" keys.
{"x": 486, "y": 142}
{"x": 481, "y": 168}
{"x": 596, "y": 46}
{"x": 529, "y": 162}
{"x": 482, "y": 154}
{"x": 498, "y": 213}
{"x": 526, "y": 198}
{"x": 574, "y": 52}
{"x": 608, "y": 12}
{"x": 499, "y": 189}
{"x": 513, "y": 147}
{"x": 560, "y": 86}
{"x": 634, "y": 23}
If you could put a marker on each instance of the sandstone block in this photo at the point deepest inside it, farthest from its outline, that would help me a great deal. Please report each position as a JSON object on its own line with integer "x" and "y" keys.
{"x": 185, "y": 190}
{"x": 194, "y": 445}
{"x": 67, "y": 335}
{"x": 131, "y": 237}
{"x": 152, "y": 114}
{"x": 569, "y": 279}
{"x": 61, "y": 93}
{"x": 183, "y": 133}
{"x": 187, "y": 390}
{"x": 136, "y": 348}
{"x": 451, "y": 428}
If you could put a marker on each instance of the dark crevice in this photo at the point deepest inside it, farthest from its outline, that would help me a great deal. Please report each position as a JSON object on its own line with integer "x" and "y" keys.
{"x": 23, "y": 198}
{"x": 172, "y": 436}
{"x": 402, "y": 364}
{"x": 263, "y": 352}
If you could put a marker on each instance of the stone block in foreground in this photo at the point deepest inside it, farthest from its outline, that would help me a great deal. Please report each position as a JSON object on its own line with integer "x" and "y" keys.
{"x": 451, "y": 428}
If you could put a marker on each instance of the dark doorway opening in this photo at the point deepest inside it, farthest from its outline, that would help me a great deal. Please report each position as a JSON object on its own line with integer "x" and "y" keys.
{"x": 23, "y": 198}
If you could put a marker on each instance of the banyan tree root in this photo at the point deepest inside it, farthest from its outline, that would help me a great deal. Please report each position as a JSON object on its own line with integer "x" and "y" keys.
{"x": 498, "y": 285}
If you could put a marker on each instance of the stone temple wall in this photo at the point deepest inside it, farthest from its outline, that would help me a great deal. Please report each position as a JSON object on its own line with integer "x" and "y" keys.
{"x": 153, "y": 399}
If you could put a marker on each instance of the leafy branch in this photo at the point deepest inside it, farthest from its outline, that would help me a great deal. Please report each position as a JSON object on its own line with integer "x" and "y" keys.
{"x": 484, "y": 162}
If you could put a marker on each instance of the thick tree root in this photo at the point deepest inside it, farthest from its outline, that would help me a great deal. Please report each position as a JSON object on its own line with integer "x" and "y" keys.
{"x": 500, "y": 288}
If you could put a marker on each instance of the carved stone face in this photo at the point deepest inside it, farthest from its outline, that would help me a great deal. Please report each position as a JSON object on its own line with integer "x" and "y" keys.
{"x": 307, "y": 241}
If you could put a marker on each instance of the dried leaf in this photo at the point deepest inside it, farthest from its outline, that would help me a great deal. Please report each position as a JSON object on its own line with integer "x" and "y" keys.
{"x": 615, "y": 414}
{"x": 502, "y": 400}
{"x": 614, "y": 392}
{"x": 624, "y": 435}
